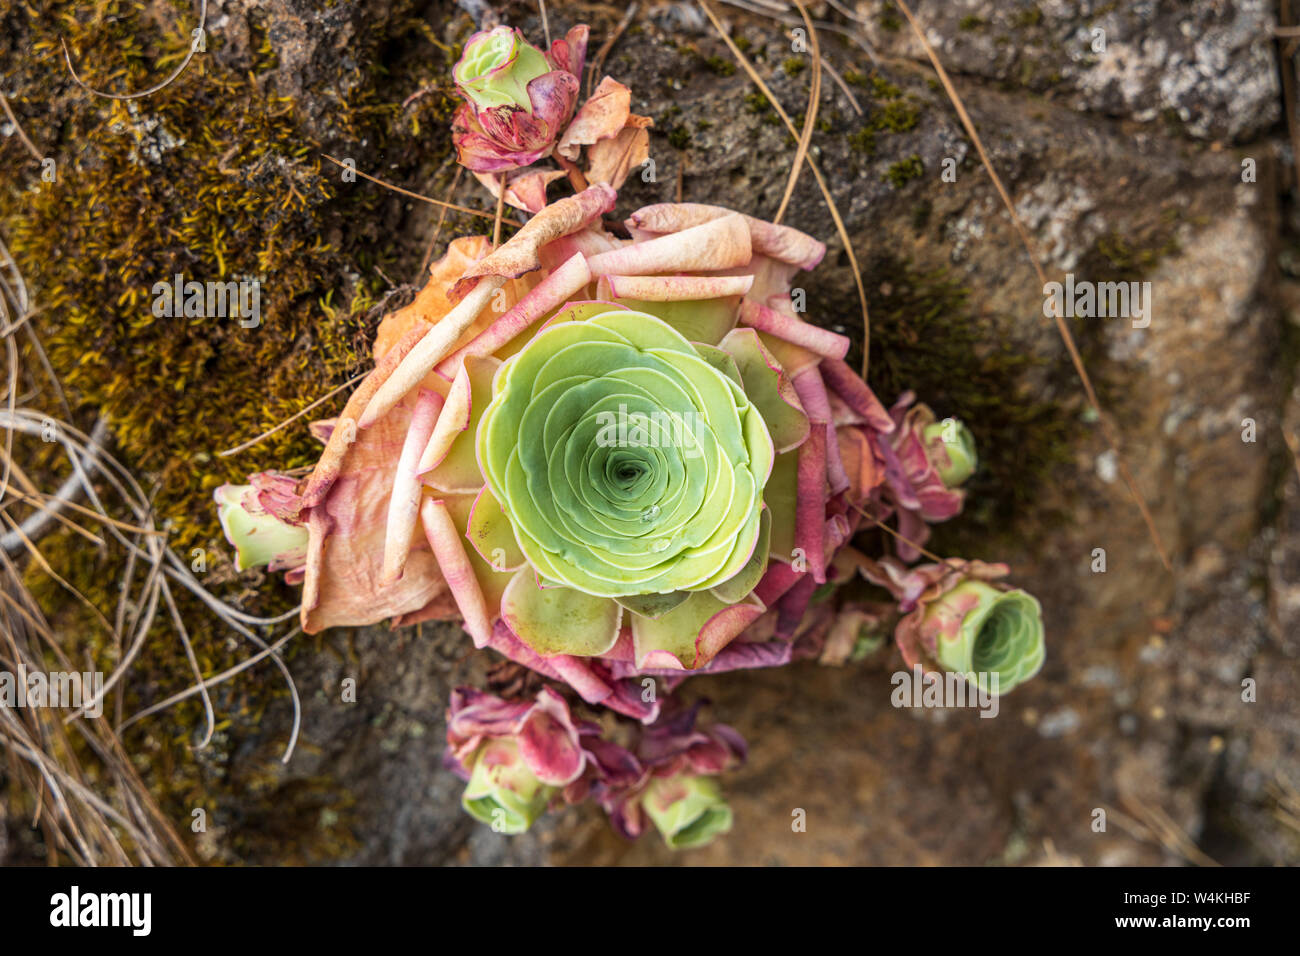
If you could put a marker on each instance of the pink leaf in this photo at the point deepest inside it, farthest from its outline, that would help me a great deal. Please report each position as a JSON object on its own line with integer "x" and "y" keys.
{"x": 552, "y": 292}
{"x": 445, "y": 541}
{"x": 404, "y": 503}
{"x": 677, "y": 288}
{"x": 719, "y": 244}
{"x": 796, "y": 331}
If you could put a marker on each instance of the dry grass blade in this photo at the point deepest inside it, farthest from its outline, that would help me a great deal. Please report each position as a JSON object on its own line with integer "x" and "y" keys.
{"x": 898, "y": 536}
{"x": 1287, "y": 802}
{"x": 114, "y": 822}
{"x": 171, "y": 78}
{"x": 51, "y": 502}
{"x": 13, "y": 541}
{"x": 1286, "y": 54}
{"x": 208, "y": 713}
{"x": 39, "y": 559}
{"x": 1112, "y": 439}
{"x": 810, "y": 114}
{"x": 292, "y": 418}
{"x": 831, "y": 206}
{"x": 1150, "y": 824}
{"x": 437, "y": 230}
{"x": 546, "y": 26}
{"x": 597, "y": 63}
{"x": 49, "y": 508}
{"x": 1293, "y": 445}
{"x": 18, "y": 130}
{"x": 414, "y": 195}
{"x": 14, "y": 289}
{"x": 70, "y": 767}
{"x": 162, "y": 562}
{"x": 203, "y": 685}
{"x": 501, "y": 209}
{"x": 11, "y": 399}
{"x": 844, "y": 87}
{"x": 781, "y": 13}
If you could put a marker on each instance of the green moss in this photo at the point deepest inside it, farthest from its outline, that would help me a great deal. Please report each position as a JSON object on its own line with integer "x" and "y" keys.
{"x": 926, "y": 337}
{"x": 757, "y": 104}
{"x": 794, "y": 65}
{"x": 265, "y": 832}
{"x": 246, "y": 195}
{"x": 213, "y": 177}
{"x": 863, "y": 141}
{"x": 883, "y": 89}
{"x": 720, "y": 65}
{"x": 892, "y": 112}
{"x": 679, "y": 137}
{"x": 1281, "y": 461}
{"x": 899, "y": 174}
{"x": 1115, "y": 257}
{"x": 1030, "y": 17}
{"x": 970, "y": 22}
{"x": 921, "y": 214}
{"x": 1129, "y": 258}
{"x": 896, "y": 116}
{"x": 875, "y": 84}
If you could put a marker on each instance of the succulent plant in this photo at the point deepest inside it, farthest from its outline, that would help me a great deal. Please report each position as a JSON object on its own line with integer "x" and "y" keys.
{"x": 619, "y": 457}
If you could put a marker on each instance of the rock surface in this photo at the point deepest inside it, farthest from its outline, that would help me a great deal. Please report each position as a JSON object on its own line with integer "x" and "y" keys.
{"x": 1207, "y": 64}
{"x": 1140, "y": 715}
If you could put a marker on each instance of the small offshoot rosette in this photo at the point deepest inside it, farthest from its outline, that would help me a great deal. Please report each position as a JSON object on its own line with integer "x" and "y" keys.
{"x": 521, "y": 107}
{"x": 518, "y": 100}
{"x": 958, "y": 618}
{"x": 522, "y": 758}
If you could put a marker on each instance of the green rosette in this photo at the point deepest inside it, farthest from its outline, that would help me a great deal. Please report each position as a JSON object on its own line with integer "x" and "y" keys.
{"x": 1001, "y": 634}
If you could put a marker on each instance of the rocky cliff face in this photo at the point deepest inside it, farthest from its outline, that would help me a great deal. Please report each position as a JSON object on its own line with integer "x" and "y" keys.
{"x": 1168, "y": 698}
